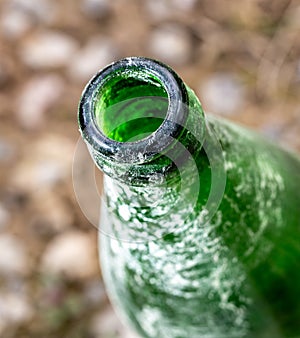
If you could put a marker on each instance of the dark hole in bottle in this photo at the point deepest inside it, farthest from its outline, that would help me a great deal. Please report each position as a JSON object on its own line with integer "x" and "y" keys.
{"x": 130, "y": 106}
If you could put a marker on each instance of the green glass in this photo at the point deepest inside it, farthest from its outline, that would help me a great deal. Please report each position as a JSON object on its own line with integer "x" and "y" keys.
{"x": 200, "y": 222}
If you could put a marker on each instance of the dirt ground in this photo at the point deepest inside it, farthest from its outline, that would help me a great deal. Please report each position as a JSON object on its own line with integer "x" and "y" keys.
{"x": 242, "y": 58}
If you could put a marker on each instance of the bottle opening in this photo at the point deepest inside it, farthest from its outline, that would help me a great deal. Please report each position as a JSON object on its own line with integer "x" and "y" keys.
{"x": 133, "y": 110}
{"x": 130, "y": 105}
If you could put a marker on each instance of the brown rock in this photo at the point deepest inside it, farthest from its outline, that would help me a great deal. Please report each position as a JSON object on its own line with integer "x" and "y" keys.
{"x": 72, "y": 254}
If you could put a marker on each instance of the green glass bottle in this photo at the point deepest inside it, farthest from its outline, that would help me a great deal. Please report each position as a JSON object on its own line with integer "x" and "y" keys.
{"x": 200, "y": 221}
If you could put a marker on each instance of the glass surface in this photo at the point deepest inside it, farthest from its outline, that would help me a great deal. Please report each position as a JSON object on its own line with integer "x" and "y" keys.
{"x": 236, "y": 276}
{"x": 129, "y": 108}
{"x": 171, "y": 270}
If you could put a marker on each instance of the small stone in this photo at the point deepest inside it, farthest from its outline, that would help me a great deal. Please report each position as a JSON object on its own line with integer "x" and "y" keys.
{"x": 105, "y": 324}
{"x": 163, "y": 9}
{"x": 293, "y": 17}
{"x": 3, "y": 75}
{"x": 2, "y": 326}
{"x": 72, "y": 254}
{"x": 86, "y": 183}
{"x": 290, "y": 138}
{"x": 186, "y": 5}
{"x": 13, "y": 258}
{"x": 97, "y": 53}
{"x": 4, "y": 217}
{"x": 48, "y": 162}
{"x": 50, "y": 217}
{"x": 7, "y": 71}
{"x": 171, "y": 43}
{"x": 96, "y": 9}
{"x": 272, "y": 131}
{"x": 37, "y": 10}
{"x": 15, "y": 24}
{"x": 7, "y": 151}
{"x": 222, "y": 93}
{"x": 129, "y": 334}
{"x": 94, "y": 293}
{"x": 15, "y": 308}
{"x": 157, "y": 9}
{"x": 18, "y": 16}
{"x": 48, "y": 49}
{"x": 298, "y": 71}
{"x": 38, "y": 95}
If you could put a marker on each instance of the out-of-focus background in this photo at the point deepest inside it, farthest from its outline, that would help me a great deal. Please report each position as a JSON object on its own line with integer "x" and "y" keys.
{"x": 241, "y": 57}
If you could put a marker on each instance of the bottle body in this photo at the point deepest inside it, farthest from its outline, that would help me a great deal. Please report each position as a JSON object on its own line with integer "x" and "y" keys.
{"x": 199, "y": 231}
{"x": 236, "y": 276}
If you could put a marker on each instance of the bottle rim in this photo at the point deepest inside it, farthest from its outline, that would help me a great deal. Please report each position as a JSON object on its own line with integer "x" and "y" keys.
{"x": 148, "y": 148}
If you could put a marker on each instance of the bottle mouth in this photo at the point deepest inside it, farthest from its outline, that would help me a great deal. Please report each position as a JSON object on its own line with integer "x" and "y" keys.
{"x": 133, "y": 110}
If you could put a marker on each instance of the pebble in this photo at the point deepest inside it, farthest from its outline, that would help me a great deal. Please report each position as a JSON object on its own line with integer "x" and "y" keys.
{"x": 7, "y": 71}
{"x": 72, "y": 254}
{"x": 3, "y": 325}
{"x": 3, "y": 75}
{"x": 293, "y": 16}
{"x": 186, "y": 5}
{"x": 157, "y": 9}
{"x": 290, "y": 138}
{"x": 86, "y": 183}
{"x": 107, "y": 324}
{"x": 96, "y": 9}
{"x": 222, "y": 93}
{"x": 14, "y": 258}
{"x": 15, "y": 24}
{"x": 4, "y": 217}
{"x": 94, "y": 293}
{"x": 163, "y": 9}
{"x": 7, "y": 151}
{"x": 37, "y": 10}
{"x": 271, "y": 131}
{"x": 171, "y": 44}
{"x": 298, "y": 71}
{"x": 19, "y": 16}
{"x": 126, "y": 333}
{"x": 14, "y": 308}
{"x": 48, "y": 49}
{"x": 50, "y": 217}
{"x": 37, "y": 96}
{"x": 48, "y": 162}
{"x": 97, "y": 53}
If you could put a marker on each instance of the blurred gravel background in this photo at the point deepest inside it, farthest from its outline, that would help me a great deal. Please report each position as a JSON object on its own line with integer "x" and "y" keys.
{"x": 241, "y": 57}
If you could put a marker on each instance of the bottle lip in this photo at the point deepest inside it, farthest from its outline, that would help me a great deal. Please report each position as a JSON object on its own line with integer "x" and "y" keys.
{"x": 146, "y": 149}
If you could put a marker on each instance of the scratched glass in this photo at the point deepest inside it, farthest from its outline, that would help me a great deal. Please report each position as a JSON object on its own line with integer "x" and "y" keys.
{"x": 199, "y": 231}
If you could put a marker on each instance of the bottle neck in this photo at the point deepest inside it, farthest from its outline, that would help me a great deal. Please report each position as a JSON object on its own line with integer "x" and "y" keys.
{"x": 141, "y": 122}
